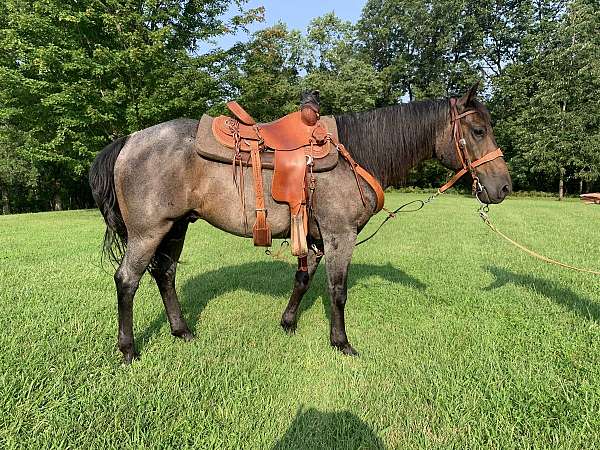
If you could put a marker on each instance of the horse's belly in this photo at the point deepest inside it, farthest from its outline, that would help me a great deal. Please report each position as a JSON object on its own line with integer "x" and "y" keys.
{"x": 223, "y": 203}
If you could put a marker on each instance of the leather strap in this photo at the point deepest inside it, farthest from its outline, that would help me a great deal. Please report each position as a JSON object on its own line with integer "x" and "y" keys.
{"x": 261, "y": 231}
{"x": 371, "y": 181}
{"x": 240, "y": 113}
{"x": 365, "y": 175}
{"x": 486, "y": 158}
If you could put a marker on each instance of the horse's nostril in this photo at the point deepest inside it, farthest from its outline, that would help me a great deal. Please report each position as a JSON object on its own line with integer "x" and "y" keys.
{"x": 505, "y": 189}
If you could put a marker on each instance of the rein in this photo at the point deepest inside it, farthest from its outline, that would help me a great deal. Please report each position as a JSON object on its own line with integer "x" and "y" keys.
{"x": 468, "y": 166}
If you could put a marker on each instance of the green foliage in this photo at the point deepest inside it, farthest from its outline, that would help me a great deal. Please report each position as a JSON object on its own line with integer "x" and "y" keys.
{"x": 346, "y": 79}
{"x": 268, "y": 80}
{"x": 547, "y": 100}
{"x": 77, "y": 75}
{"x": 422, "y": 49}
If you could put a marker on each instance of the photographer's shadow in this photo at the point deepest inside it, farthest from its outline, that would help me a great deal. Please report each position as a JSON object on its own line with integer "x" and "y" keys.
{"x": 316, "y": 430}
{"x": 274, "y": 278}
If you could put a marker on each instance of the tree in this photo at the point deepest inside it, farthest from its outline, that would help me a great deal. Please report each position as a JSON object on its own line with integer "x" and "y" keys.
{"x": 338, "y": 68}
{"x": 76, "y": 75}
{"x": 266, "y": 73}
{"x": 548, "y": 97}
{"x": 422, "y": 49}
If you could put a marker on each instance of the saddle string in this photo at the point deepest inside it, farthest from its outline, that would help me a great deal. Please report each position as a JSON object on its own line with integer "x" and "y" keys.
{"x": 237, "y": 159}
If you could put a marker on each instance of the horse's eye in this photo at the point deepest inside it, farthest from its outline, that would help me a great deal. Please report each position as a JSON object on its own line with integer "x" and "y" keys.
{"x": 479, "y": 132}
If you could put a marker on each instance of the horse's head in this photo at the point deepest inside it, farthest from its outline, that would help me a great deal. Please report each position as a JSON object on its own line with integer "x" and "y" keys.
{"x": 469, "y": 143}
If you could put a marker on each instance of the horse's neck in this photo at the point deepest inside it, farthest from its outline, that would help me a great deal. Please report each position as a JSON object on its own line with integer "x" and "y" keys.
{"x": 390, "y": 141}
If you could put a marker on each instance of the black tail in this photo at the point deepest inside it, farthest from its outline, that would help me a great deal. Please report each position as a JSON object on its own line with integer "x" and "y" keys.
{"x": 102, "y": 182}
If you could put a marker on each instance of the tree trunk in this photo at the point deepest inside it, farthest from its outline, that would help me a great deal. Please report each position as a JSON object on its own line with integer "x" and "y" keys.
{"x": 580, "y": 186}
{"x": 5, "y": 200}
{"x": 561, "y": 186}
{"x": 57, "y": 200}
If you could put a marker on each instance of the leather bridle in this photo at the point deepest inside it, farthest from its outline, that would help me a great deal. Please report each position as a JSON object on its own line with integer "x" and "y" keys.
{"x": 461, "y": 150}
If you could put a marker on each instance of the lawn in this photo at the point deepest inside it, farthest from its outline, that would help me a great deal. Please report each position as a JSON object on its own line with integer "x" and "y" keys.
{"x": 464, "y": 341}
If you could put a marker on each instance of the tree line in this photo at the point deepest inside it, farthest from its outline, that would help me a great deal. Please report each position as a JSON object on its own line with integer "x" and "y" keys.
{"x": 76, "y": 75}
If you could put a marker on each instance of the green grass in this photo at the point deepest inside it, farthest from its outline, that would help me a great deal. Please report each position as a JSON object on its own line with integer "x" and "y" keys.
{"x": 465, "y": 342}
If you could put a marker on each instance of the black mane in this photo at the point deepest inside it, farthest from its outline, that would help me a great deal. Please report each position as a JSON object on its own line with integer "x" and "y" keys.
{"x": 390, "y": 141}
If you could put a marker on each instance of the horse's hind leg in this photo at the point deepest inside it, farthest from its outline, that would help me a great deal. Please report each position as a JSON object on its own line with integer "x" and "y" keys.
{"x": 138, "y": 255}
{"x": 301, "y": 284}
{"x": 164, "y": 270}
{"x": 338, "y": 249}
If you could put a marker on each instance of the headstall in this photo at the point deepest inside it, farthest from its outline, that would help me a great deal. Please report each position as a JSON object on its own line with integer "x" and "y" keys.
{"x": 461, "y": 150}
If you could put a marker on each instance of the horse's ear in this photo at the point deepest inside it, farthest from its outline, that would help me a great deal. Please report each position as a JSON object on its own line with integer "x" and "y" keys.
{"x": 468, "y": 98}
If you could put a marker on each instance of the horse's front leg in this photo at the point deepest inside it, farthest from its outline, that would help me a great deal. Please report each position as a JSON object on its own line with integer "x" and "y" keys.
{"x": 338, "y": 251}
{"x": 301, "y": 283}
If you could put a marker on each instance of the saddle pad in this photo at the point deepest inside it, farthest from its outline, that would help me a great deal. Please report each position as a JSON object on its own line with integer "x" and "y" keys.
{"x": 208, "y": 147}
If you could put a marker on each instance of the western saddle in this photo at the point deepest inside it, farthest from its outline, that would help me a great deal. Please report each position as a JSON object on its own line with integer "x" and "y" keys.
{"x": 299, "y": 142}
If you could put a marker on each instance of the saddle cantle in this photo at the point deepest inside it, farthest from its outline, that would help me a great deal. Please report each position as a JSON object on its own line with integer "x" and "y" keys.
{"x": 294, "y": 147}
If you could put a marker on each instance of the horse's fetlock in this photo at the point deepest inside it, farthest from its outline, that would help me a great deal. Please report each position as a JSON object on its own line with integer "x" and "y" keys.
{"x": 302, "y": 280}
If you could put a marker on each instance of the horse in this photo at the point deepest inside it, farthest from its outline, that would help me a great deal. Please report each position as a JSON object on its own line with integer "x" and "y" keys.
{"x": 150, "y": 185}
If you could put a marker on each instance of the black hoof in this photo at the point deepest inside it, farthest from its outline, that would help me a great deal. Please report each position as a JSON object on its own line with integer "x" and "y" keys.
{"x": 129, "y": 357}
{"x": 186, "y": 335}
{"x": 346, "y": 349}
{"x": 289, "y": 328}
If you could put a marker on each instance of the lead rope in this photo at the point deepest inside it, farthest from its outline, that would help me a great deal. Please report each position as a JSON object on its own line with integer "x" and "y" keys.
{"x": 483, "y": 213}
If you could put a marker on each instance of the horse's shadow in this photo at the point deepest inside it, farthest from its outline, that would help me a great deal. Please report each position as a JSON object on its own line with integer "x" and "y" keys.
{"x": 274, "y": 278}
{"x": 326, "y": 430}
{"x": 582, "y": 306}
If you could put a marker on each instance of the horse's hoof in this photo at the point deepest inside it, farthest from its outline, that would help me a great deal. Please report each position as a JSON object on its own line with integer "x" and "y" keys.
{"x": 346, "y": 349}
{"x": 186, "y": 335}
{"x": 129, "y": 357}
{"x": 289, "y": 328}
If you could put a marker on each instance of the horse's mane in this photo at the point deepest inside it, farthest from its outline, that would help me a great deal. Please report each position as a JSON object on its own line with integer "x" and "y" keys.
{"x": 389, "y": 141}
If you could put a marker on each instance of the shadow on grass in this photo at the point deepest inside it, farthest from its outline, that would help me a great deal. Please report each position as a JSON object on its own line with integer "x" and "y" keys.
{"x": 274, "y": 278}
{"x": 328, "y": 430}
{"x": 586, "y": 308}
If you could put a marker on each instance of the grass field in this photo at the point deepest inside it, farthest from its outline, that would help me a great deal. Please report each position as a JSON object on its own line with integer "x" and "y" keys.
{"x": 464, "y": 341}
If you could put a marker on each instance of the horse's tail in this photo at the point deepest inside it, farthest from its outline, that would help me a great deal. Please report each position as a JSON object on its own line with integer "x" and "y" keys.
{"x": 102, "y": 182}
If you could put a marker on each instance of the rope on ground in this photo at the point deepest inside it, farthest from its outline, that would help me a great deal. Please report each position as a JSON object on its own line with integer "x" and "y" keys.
{"x": 487, "y": 221}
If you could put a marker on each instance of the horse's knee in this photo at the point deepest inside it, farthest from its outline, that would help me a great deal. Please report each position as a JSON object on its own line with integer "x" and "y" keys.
{"x": 164, "y": 278}
{"x": 338, "y": 295}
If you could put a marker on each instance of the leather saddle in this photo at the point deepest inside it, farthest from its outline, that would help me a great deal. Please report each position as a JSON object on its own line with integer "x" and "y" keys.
{"x": 297, "y": 141}
{"x": 294, "y": 147}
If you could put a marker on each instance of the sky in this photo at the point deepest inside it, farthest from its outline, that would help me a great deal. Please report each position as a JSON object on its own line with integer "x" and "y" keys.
{"x": 296, "y": 14}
